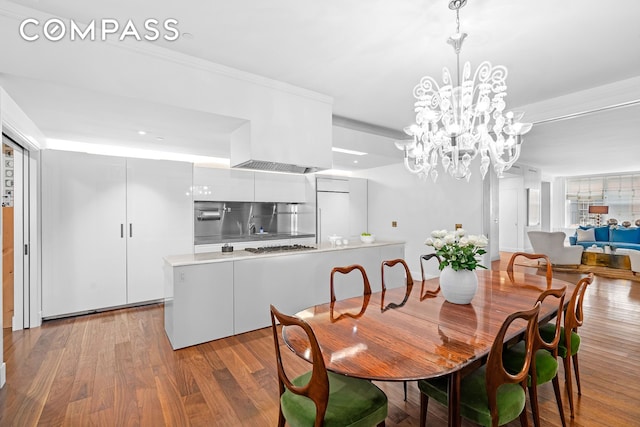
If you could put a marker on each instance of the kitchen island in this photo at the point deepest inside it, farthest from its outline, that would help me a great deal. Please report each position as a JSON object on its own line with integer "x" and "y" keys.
{"x": 214, "y": 295}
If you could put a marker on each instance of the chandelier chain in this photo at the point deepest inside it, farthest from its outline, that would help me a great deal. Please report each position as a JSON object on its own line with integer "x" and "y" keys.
{"x": 458, "y": 49}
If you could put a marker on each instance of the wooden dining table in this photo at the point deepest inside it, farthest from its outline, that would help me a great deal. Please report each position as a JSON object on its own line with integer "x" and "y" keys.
{"x": 413, "y": 333}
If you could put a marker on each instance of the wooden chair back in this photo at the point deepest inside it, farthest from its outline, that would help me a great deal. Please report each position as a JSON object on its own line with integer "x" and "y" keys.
{"x": 347, "y": 270}
{"x": 549, "y": 274}
{"x": 574, "y": 316}
{"x": 317, "y": 389}
{"x": 391, "y": 263}
{"x": 408, "y": 289}
{"x": 539, "y": 342}
{"x": 427, "y": 293}
{"x": 496, "y": 373}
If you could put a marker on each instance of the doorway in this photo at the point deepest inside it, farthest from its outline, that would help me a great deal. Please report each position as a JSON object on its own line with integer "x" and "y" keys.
{"x": 511, "y": 214}
{"x": 15, "y": 231}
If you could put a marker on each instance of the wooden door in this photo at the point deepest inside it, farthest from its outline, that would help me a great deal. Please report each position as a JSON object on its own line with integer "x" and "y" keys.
{"x": 7, "y": 267}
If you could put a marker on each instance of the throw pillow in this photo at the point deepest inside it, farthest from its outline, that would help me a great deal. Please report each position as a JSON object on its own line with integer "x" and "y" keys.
{"x": 586, "y": 235}
{"x": 602, "y": 234}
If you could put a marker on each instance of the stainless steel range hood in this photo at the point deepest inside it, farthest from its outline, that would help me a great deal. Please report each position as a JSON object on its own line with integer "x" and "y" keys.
{"x": 295, "y": 148}
{"x": 276, "y": 167}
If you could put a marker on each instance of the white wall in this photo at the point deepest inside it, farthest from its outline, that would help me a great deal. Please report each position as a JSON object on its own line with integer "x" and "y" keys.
{"x": 420, "y": 207}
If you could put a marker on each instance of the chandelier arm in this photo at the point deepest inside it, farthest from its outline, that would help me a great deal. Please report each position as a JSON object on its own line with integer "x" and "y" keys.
{"x": 417, "y": 167}
{"x": 498, "y": 160}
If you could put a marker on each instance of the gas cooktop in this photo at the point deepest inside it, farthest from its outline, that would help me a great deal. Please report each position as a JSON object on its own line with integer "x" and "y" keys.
{"x": 282, "y": 248}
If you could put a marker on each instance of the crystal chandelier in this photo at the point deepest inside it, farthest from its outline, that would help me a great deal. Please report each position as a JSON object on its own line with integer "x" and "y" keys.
{"x": 455, "y": 124}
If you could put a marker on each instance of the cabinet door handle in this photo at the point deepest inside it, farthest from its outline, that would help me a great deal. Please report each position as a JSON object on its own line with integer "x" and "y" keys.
{"x": 319, "y": 236}
{"x": 122, "y": 231}
{"x": 130, "y": 229}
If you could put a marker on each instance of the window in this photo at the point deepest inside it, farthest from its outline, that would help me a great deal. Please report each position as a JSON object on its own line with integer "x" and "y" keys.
{"x": 620, "y": 192}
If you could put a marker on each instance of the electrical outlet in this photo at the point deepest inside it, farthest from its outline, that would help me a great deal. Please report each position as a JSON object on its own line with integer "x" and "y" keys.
{"x": 394, "y": 223}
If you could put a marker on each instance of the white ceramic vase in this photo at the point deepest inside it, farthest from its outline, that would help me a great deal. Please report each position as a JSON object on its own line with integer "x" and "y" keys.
{"x": 458, "y": 287}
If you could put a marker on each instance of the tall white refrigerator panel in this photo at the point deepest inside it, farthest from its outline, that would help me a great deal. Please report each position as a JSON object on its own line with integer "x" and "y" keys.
{"x": 333, "y": 215}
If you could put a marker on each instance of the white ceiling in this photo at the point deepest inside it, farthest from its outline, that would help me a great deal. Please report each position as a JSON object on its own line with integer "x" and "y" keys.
{"x": 368, "y": 56}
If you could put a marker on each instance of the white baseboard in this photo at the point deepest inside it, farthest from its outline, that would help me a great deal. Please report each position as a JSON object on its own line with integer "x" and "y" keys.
{"x": 3, "y": 374}
{"x": 15, "y": 326}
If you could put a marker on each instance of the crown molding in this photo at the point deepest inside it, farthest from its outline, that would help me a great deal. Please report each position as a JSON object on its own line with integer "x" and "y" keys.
{"x": 616, "y": 95}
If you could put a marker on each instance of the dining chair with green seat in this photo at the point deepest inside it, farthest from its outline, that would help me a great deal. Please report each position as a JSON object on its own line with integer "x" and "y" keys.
{"x": 347, "y": 270}
{"x": 409, "y": 285}
{"x": 570, "y": 343}
{"x": 490, "y": 395}
{"x": 544, "y": 364}
{"x": 322, "y": 398}
{"x": 549, "y": 273}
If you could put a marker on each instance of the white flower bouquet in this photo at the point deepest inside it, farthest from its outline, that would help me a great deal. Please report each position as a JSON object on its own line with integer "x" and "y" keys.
{"x": 457, "y": 250}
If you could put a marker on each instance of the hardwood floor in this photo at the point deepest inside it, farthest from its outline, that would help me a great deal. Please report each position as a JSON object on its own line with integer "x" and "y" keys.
{"x": 118, "y": 369}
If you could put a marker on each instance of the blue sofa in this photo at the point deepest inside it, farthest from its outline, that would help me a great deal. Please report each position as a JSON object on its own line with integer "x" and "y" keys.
{"x": 627, "y": 238}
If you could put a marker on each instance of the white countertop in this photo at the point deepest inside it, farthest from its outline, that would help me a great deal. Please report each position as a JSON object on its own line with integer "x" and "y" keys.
{"x": 210, "y": 257}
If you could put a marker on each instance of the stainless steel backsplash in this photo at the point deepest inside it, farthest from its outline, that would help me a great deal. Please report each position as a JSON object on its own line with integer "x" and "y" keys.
{"x": 220, "y": 222}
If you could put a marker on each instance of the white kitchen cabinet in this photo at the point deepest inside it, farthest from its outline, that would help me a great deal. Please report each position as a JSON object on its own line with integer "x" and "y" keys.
{"x": 107, "y": 224}
{"x": 84, "y": 248}
{"x": 198, "y": 305}
{"x": 159, "y": 222}
{"x": 297, "y": 281}
{"x": 358, "y": 206}
{"x": 341, "y": 207}
{"x": 227, "y": 185}
{"x": 278, "y": 187}
{"x": 210, "y": 296}
{"x": 231, "y": 185}
{"x": 282, "y": 281}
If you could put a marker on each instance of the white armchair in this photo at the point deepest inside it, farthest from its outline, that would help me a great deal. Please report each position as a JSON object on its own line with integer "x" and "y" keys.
{"x": 634, "y": 257}
{"x": 552, "y": 245}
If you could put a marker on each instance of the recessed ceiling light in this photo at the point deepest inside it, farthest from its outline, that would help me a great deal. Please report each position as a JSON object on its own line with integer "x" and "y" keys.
{"x": 355, "y": 161}
{"x": 345, "y": 151}
{"x": 141, "y": 132}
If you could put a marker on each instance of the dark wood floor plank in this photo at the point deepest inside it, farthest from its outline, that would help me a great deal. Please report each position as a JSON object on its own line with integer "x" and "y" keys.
{"x": 78, "y": 413}
{"x": 212, "y": 391}
{"x": 149, "y": 407}
{"x": 29, "y": 410}
{"x": 173, "y": 409}
{"x": 197, "y": 409}
{"x": 118, "y": 368}
{"x": 185, "y": 381}
{"x": 125, "y": 402}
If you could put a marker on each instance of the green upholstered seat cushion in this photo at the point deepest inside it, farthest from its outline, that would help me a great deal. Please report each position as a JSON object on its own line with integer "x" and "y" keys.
{"x": 352, "y": 402}
{"x": 546, "y": 364}
{"x": 474, "y": 403}
{"x": 547, "y": 333}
